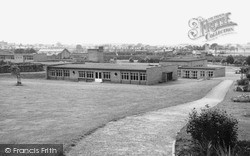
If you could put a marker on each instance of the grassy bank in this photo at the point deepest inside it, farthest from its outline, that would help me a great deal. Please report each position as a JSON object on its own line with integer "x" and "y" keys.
{"x": 238, "y": 110}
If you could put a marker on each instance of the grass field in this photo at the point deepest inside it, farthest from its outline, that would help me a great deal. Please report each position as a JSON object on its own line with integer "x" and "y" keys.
{"x": 50, "y": 111}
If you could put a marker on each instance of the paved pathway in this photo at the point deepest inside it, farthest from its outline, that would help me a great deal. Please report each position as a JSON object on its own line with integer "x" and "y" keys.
{"x": 149, "y": 134}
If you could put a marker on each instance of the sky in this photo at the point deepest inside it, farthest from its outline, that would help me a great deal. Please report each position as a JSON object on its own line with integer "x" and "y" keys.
{"x": 154, "y": 22}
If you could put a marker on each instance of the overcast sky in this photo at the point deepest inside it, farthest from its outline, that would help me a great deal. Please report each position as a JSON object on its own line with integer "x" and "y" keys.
{"x": 154, "y": 22}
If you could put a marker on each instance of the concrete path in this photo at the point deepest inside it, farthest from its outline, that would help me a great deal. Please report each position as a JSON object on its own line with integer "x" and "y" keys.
{"x": 149, "y": 134}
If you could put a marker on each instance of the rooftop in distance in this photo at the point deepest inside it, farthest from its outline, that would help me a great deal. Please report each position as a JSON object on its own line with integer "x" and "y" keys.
{"x": 183, "y": 59}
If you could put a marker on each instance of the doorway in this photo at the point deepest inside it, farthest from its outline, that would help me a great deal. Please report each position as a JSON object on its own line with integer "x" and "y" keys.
{"x": 98, "y": 75}
{"x": 169, "y": 76}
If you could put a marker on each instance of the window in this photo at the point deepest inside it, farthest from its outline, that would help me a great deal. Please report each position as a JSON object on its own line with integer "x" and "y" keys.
{"x": 187, "y": 74}
{"x": 202, "y": 73}
{"x": 179, "y": 73}
{"x": 82, "y": 74}
{"x": 210, "y": 73}
{"x": 52, "y": 73}
{"x": 66, "y": 73}
{"x": 125, "y": 76}
{"x": 90, "y": 74}
{"x": 194, "y": 74}
{"x": 106, "y": 75}
{"x": 134, "y": 76}
{"x": 59, "y": 73}
{"x": 143, "y": 76}
{"x": 28, "y": 57}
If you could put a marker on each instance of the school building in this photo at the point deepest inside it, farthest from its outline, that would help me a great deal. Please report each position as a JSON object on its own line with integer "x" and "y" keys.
{"x": 195, "y": 68}
{"x": 201, "y": 72}
{"x": 114, "y": 73}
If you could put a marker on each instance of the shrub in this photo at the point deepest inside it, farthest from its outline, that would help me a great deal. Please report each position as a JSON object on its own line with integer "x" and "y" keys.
{"x": 230, "y": 59}
{"x": 212, "y": 128}
{"x": 243, "y": 82}
{"x": 131, "y": 59}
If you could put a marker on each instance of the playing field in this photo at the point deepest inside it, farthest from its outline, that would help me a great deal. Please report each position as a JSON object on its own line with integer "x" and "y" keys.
{"x": 50, "y": 111}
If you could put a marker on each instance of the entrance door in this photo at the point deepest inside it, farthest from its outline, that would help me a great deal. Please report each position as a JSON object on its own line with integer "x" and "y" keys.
{"x": 98, "y": 76}
{"x": 169, "y": 76}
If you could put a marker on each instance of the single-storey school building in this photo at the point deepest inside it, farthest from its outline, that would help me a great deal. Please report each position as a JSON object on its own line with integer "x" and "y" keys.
{"x": 114, "y": 73}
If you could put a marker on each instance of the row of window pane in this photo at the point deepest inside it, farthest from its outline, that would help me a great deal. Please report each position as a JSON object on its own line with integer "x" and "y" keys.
{"x": 134, "y": 76}
{"x": 106, "y": 75}
{"x": 194, "y": 74}
{"x": 125, "y": 76}
{"x": 28, "y": 57}
{"x": 59, "y": 73}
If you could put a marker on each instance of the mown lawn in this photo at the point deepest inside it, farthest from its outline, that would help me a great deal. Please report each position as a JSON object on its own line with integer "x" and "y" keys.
{"x": 50, "y": 111}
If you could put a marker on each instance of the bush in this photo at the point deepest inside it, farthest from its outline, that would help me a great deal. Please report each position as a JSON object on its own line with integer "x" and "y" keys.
{"x": 131, "y": 59}
{"x": 212, "y": 128}
{"x": 243, "y": 82}
{"x": 230, "y": 59}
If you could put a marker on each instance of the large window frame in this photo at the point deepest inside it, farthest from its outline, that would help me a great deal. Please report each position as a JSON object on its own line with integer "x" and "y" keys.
{"x": 66, "y": 73}
{"x": 187, "y": 74}
{"x": 134, "y": 76}
{"x": 106, "y": 75}
{"x": 59, "y": 72}
{"x": 202, "y": 73}
{"x": 90, "y": 74}
{"x": 143, "y": 77}
{"x": 82, "y": 74}
{"x": 125, "y": 75}
{"x": 194, "y": 74}
{"x": 210, "y": 73}
{"x": 179, "y": 73}
{"x": 52, "y": 73}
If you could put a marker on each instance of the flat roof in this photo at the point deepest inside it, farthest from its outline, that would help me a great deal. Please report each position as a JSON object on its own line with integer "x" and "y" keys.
{"x": 106, "y": 66}
{"x": 204, "y": 68}
{"x": 183, "y": 59}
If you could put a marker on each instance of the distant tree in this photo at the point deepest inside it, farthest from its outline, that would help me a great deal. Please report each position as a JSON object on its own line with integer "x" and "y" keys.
{"x": 131, "y": 59}
{"x": 223, "y": 61}
{"x": 58, "y": 44}
{"x": 238, "y": 62}
{"x": 32, "y": 51}
{"x": 162, "y": 59}
{"x": 248, "y": 60}
{"x": 2, "y": 62}
{"x": 19, "y": 51}
{"x": 79, "y": 48}
{"x": 141, "y": 60}
{"x": 147, "y": 59}
{"x": 230, "y": 59}
{"x": 214, "y": 46}
{"x": 15, "y": 70}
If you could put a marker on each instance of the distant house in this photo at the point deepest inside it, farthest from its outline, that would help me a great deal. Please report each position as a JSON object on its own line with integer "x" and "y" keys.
{"x": 96, "y": 55}
{"x": 54, "y": 54}
{"x": 6, "y": 55}
{"x": 23, "y": 58}
{"x": 16, "y": 58}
